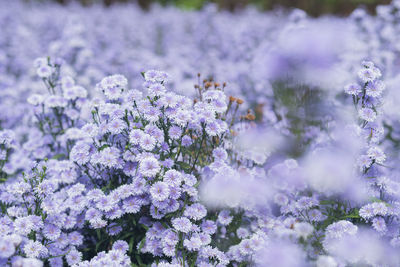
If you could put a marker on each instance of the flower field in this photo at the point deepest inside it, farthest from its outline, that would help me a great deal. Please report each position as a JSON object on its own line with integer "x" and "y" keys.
{"x": 166, "y": 137}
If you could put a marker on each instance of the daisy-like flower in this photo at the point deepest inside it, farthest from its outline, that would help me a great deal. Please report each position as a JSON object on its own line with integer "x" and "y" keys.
{"x": 156, "y": 89}
{"x": 159, "y": 191}
{"x": 147, "y": 142}
{"x": 169, "y": 100}
{"x": 73, "y": 257}
{"x": 379, "y": 224}
{"x": 170, "y": 237}
{"x": 109, "y": 157}
{"x": 375, "y": 88}
{"x": 315, "y": 215}
{"x": 51, "y": 232}
{"x": 213, "y": 128}
{"x": 175, "y": 132}
{"x": 149, "y": 166}
{"x": 193, "y": 244}
{"x": 195, "y": 211}
{"x": 105, "y": 203}
{"x": 75, "y": 238}
{"x": 220, "y": 154}
{"x": 224, "y": 217}
{"x": 135, "y": 136}
{"x": 182, "y": 224}
{"x": 181, "y": 117}
{"x": 34, "y": 249}
{"x": 353, "y": 89}
{"x": 35, "y": 99}
{"x": 380, "y": 208}
{"x": 7, "y": 249}
{"x": 367, "y": 114}
{"x": 377, "y": 154}
{"x": 168, "y": 250}
{"x": 151, "y": 75}
{"x": 120, "y": 245}
{"x": 151, "y": 114}
{"x": 91, "y": 129}
{"x": 340, "y": 229}
{"x": 367, "y": 212}
{"x": 186, "y": 140}
{"x": 173, "y": 177}
{"x": 242, "y": 232}
{"x": 369, "y": 74}
{"x": 131, "y": 205}
{"x": 23, "y": 226}
{"x": 116, "y": 126}
{"x": 112, "y": 86}
{"x": 44, "y": 71}
{"x": 364, "y": 161}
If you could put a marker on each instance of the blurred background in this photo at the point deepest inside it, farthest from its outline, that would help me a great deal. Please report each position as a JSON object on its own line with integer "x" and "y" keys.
{"x": 312, "y": 7}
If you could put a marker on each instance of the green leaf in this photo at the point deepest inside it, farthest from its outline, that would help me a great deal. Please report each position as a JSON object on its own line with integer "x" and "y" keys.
{"x": 142, "y": 244}
{"x": 103, "y": 147}
{"x": 131, "y": 244}
{"x": 144, "y": 226}
{"x": 351, "y": 216}
{"x": 184, "y": 165}
{"x": 327, "y": 202}
{"x": 99, "y": 243}
{"x": 59, "y": 156}
{"x": 139, "y": 260}
{"x": 98, "y": 233}
{"x": 374, "y": 199}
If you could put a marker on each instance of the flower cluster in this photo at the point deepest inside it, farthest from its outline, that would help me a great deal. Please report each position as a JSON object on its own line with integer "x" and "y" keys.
{"x": 105, "y": 160}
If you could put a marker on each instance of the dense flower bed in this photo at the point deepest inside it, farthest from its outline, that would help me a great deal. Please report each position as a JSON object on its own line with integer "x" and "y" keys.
{"x": 120, "y": 147}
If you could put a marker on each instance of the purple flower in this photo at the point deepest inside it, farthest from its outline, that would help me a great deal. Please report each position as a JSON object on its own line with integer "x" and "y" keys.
{"x": 182, "y": 224}
{"x": 51, "y": 232}
{"x": 224, "y": 217}
{"x": 149, "y": 166}
{"x": 173, "y": 177}
{"x": 367, "y": 114}
{"x": 353, "y": 89}
{"x": 147, "y": 142}
{"x": 120, "y": 245}
{"x": 379, "y": 224}
{"x": 131, "y": 205}
{"x": 73, "y": 257}
{"x": 175, "y": 132}
{"x": 159, "y": 191}
{"x": 193, "y": 244}
{"x": 7, "y": 249}
{"x": 196, "y": 211}
{"x": 209, "y": 227}
{"x": 375, "y": 88}
{"x": 34, "y": 249}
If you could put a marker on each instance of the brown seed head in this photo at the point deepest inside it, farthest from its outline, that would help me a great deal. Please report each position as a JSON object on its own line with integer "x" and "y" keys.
{"x": 239, "y": 101}
{"x": 250, "y": 117}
